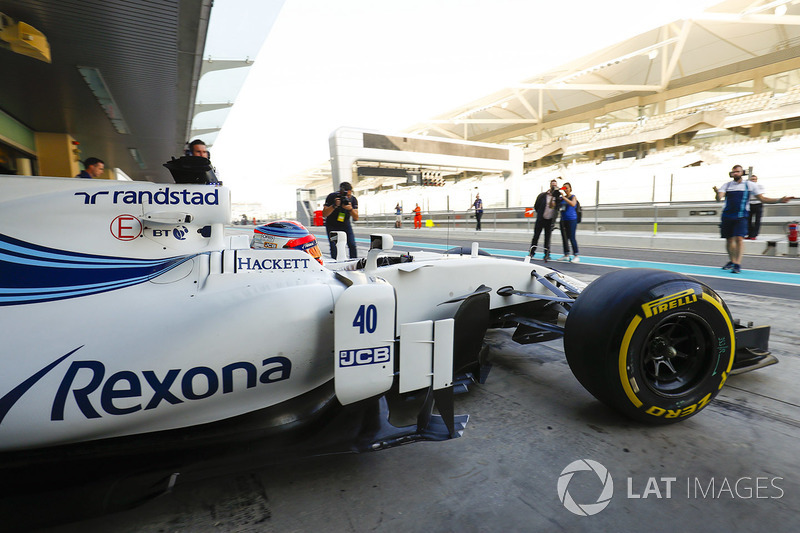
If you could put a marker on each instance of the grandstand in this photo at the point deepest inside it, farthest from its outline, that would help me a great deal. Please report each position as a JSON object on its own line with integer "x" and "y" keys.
{"x": 660, "y": 117}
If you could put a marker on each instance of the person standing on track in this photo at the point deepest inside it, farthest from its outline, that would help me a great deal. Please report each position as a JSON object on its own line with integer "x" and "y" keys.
{"x": 478, "y": 206}
{"x": 341, "y": 206}
{"x": 569, "y": 224}
{"x": 735, "y": 214}
{"x": 546, "y": 213}
{"x": 417, "y": 217}
{"x": 756, "y": 208}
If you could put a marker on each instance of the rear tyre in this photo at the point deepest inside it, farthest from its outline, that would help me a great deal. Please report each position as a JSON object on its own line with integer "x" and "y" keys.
{"x": 654, "y": 345}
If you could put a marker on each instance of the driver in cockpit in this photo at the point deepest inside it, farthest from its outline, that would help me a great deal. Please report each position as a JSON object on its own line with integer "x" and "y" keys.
{"x": 286, "y": 234}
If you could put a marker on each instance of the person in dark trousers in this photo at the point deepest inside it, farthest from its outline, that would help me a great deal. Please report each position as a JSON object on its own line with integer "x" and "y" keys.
{"x": 93, "y": 168}
{"x": 339, "y": 208}
{"x": 569, "y": 224}
{"x": 546, "y": 212}
{"x": 477, "y": 205}
{"x": 756, "y": 208}
{"x": 733, "y": 226}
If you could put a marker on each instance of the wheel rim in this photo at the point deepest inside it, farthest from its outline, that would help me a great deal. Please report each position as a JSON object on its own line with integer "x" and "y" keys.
{"x": 678, "y": 355}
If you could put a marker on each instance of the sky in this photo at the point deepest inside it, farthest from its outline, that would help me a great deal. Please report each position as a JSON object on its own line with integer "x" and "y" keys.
{"x": 386, "y": 65}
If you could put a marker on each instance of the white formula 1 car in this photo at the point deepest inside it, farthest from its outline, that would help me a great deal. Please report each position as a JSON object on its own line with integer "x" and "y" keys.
{"x": 137, "y": 335}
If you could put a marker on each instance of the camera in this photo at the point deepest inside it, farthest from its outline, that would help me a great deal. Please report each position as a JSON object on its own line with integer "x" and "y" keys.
{"x": 556, "y": 193}
{"x": 744, "y": 173}
{"x": 343, "y": 199}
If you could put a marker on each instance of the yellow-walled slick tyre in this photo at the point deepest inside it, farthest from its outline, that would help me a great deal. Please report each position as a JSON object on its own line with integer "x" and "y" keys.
{"x": 654, "y": 345}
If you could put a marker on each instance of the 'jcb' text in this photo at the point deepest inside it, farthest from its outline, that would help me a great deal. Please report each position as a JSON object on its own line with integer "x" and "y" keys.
{"x": 365, "y": 356}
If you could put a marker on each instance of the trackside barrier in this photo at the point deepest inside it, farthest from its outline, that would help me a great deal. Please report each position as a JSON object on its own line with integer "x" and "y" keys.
{"x": 675, "y": 217}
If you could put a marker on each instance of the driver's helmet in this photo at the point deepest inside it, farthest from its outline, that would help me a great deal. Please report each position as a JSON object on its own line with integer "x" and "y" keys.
{"x": 286, "y": 234}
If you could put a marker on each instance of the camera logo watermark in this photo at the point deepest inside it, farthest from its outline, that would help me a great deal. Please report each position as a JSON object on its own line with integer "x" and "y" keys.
{"x": 657, "y": 487}
{"x": 585, "y": 509}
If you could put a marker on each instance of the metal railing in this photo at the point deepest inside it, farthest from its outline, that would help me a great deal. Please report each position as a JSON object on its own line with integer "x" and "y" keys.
{"x": 684, "y": 217}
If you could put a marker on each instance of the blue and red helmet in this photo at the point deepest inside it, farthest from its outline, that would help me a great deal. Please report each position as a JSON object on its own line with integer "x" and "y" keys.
{"x": 286, "y": 234}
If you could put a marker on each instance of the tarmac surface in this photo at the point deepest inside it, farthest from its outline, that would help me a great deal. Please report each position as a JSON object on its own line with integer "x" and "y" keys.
{"x": 696, "y": 254}
{"x": 732, "y": 467}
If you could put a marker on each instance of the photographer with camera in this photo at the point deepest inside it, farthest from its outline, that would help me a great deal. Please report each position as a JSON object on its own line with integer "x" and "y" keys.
{"x": 546, "y": 207}
{"x": 339, "y": 208}
{"x": 735, "y": 214}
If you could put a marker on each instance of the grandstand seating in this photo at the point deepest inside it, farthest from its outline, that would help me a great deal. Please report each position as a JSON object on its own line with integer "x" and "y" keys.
{"x": 661, "y": 176}
{"x": 745, "y": 104}
{"x": 581, "y": 137}
{"x": 669, "y": 175}
{"x": 616, "y": 130}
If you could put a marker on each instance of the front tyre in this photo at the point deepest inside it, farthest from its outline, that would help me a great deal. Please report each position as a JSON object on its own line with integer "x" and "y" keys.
{"x": 654, "y": 345}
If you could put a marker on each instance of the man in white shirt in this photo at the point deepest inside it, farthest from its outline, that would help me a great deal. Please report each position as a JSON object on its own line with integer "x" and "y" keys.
{"x": 756, "y": 208}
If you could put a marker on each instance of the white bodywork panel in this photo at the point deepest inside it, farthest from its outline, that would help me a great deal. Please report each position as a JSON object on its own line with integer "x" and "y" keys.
{"x": 426, "y": 355}
{"x": 443, "y": 336}
{"x": 416, "y": 353}
{"x": 125, "y": 310}
{"x": 364, "y": 342}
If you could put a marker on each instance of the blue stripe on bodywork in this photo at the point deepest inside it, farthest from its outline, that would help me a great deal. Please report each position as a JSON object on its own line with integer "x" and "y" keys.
{"x": 30, "y": 273}
{"x": 8, "y": 401}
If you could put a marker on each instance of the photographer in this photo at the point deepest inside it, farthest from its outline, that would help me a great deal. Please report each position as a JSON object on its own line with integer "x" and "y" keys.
{"x": 339, "y": 208}
{"x": 546, "y": 207}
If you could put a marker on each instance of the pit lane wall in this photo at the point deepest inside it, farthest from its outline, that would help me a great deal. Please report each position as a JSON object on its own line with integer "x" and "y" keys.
{"x": 674, "y": 217}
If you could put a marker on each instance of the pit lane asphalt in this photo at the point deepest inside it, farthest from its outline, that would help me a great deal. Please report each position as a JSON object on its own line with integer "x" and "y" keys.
{"x": 762, "y": 275}
{"x": 528, "y": 423}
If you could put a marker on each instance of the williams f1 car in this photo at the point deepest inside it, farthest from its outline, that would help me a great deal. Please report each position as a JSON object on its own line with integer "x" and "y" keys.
{"x": 137, "y": 333}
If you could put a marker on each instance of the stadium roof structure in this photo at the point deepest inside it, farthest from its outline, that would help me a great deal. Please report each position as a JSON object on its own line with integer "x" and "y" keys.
{"x": 734, "y": 36}
{"x": 730, "y": 37}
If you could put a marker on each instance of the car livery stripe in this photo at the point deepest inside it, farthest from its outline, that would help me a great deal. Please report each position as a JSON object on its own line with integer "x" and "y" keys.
{"x": 30, "y": 273}
{"x": 28, "y": 253}
{"x": 10, "y": 398}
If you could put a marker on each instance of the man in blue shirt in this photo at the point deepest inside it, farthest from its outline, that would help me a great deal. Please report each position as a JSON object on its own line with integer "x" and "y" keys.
{"x": 735, "y": 214}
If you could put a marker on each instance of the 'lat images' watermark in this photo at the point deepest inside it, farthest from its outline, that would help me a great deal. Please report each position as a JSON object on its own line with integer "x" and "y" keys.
{"x": 664, "y": 487}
